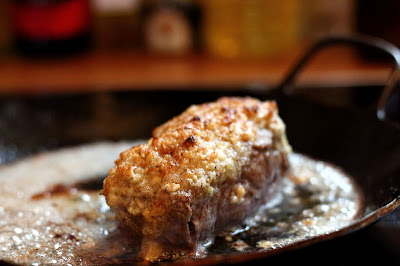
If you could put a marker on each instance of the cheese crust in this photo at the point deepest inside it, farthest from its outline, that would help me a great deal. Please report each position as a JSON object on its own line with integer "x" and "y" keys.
{"x": 197, "y": 158}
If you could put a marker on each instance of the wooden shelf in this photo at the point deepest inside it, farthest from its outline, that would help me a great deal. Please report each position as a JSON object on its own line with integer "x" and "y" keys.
{"x": 100, "y": 71}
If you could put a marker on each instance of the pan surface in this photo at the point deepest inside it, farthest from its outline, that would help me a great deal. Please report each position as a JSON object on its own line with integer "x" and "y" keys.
{"x": 364, "y": 147}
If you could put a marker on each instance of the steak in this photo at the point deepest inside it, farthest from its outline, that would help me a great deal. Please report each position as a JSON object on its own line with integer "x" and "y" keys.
{"x": 207, "y": 169}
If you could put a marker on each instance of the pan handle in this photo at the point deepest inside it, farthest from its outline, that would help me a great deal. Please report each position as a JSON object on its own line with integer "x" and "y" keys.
{"x": 362, "y": 41}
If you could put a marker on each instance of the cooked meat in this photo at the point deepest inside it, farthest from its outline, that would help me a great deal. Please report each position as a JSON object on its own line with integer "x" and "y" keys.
{"x": 208, "y": 168}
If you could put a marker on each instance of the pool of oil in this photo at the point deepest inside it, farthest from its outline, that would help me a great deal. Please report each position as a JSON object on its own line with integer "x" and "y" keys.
{"x": 49, "y": 215}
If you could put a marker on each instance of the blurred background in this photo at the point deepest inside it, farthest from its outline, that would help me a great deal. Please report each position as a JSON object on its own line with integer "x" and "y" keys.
{"x": 144, "y": 61}
{"x": 81, "y": 45}
{"x": 228, "y": 28}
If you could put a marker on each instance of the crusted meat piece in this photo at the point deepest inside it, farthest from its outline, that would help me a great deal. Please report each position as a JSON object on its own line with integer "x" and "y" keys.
{"x": 210, "y": 167}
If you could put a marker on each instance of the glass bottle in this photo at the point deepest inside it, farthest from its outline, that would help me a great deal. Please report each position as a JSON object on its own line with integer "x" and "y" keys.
{"x": 251, "y": 28}
{"x": 116, "y": 23}
{"x": 50, "y": 27}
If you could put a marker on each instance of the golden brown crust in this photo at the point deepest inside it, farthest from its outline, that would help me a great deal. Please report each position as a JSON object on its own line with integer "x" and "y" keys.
{"x": 154, "y": 185}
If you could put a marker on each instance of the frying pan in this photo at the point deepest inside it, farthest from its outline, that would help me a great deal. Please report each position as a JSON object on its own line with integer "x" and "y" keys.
{"x": 366, "y": 144}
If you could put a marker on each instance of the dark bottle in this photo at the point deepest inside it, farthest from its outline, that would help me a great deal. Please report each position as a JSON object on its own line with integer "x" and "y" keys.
{"x": 50, "y": 27}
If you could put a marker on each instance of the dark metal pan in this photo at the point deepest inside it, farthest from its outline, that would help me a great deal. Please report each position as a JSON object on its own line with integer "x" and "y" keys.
{"x": 366, "y": 144}
{"x": 361, "y": 142}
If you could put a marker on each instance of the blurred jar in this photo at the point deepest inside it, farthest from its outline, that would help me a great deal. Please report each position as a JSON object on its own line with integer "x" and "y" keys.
{"x": 171, "y": 26}
{"x": 116, "y": 23}
{"x": 250, "y": 28}
{"x": 50, "y": 27}
{"x": 327, "y": 17}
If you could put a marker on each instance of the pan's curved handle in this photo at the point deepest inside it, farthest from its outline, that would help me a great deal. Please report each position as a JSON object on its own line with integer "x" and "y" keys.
{"x": 371, "y": 42}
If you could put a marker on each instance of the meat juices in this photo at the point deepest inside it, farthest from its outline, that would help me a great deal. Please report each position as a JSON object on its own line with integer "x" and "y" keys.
{"x": 208, "y": 168}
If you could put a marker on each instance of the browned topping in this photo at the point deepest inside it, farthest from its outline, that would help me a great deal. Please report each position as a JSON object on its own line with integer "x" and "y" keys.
{"x": 196, "y": 118}
{"x": 250, "y": 111}
{"x": 189, "y": 141}
{"x": 157, "y": 183}
{"x": 228, "y": 110}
